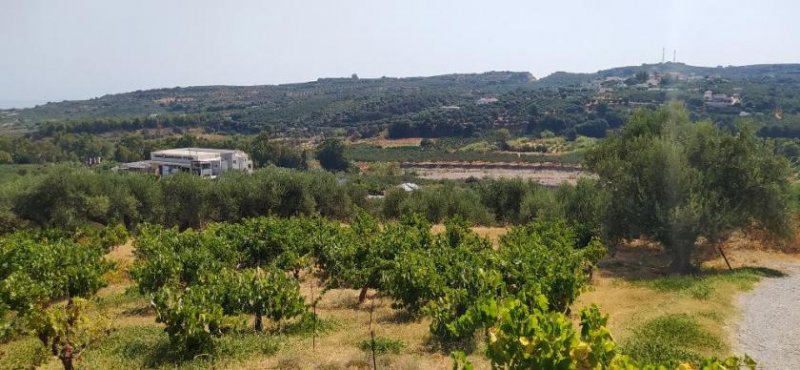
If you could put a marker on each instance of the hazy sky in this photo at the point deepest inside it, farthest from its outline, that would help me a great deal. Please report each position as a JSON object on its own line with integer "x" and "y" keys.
{"x": 74, "y": 49}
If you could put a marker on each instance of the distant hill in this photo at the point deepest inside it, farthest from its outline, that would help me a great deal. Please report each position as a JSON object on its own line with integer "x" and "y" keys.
{"x": 204, "y": 99}
{"x": 759, "y": 71}
{"x": 446, "y": 105}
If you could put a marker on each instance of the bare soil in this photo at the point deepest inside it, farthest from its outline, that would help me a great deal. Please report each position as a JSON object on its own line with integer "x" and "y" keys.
{"x": 544, "y": 177}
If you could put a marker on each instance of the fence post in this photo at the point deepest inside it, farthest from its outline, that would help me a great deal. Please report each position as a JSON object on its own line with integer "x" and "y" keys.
{"x": 372, "y": 338}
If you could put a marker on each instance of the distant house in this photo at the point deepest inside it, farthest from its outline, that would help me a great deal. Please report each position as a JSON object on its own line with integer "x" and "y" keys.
{"x": 483, "y": 101}
{"x": 720, "y": 100}
{"x": 202, "y": 162}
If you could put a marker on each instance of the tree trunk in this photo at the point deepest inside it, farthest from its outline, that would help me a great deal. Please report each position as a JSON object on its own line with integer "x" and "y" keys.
{"x": 66, "y": 357}
{"x": 67, "y": 362}
{"x": 363, "y": 295}
{"x": 682, "y": 259}
{"x": 259, "y": 322}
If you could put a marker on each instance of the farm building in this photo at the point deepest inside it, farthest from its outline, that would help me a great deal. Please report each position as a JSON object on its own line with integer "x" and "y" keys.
{"x": 199, "y": 161}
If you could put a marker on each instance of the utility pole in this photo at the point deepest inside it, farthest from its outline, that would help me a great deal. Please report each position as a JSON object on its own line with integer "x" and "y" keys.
{"x": 663, "y": 50}
{"x": 674, "y": 55}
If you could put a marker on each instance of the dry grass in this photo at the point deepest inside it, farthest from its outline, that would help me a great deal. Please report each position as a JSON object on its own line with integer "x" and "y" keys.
{"x": 122, "y": 253}
{"x": 544, "y": 177}
{"x": 492, "y": 233}
{"x": 391, "y": 143}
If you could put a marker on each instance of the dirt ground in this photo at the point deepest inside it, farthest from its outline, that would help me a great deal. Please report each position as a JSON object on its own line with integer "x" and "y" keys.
{"x": 391, "y": 143}
{"x": 544, "y": 177}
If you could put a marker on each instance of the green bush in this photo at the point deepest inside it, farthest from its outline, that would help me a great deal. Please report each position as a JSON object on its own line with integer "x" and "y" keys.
{"x": 192, "y": 319}
{"x": 444, "y": 202}
{"x": 382, "y": 345}
{"x": 671, "y": 338}
{"x": 523, "y": 336}
{"x": 259, "y": 292}
{"x": 23, "y": 353}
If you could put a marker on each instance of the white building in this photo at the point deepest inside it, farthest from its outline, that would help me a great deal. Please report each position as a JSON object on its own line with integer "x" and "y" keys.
{"x": 484, "y": 101}
{"x": 200, "y": 161}
{"x": 408, "y": 186}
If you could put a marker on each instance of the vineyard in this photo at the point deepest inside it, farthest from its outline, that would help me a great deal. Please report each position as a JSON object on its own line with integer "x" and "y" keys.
{"x": 241, "y": 283}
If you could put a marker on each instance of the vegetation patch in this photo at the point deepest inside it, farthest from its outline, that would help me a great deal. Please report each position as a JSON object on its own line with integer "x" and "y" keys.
{"x": 672, "y": 338}
{"x": 704, "y": 285}
{"x": 140, "y": 347}
{"x": 308, "y": 325}
{"x": 382, "y": 345}
{"x": 23, "y": 353}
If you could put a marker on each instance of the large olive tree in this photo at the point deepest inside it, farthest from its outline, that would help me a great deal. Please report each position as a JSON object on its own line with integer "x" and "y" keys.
{"x": 675, "y": 181}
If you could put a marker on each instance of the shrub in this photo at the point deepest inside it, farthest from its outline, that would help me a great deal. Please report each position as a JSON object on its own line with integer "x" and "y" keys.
{"x": 191, "y": 317}
{"x": 440, "y": 203}
{"x": 669, "y": 338}
{"x": 522, "y": 336}
{"x": 382, "y": 345}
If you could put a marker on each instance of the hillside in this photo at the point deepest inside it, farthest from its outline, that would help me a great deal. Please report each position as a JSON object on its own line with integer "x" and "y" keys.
{"x": 776, "y": 72}
{"x": 226, "y": 98}
{"x": 460, "y": 105}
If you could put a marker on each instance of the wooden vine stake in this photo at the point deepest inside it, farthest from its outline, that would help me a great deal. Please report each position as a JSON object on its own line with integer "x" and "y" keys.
{"x": 314, "y": 316}
{"x": 372, "y": 334}
{"x": 372, "y": 337}
{"x": 719, "y": 248}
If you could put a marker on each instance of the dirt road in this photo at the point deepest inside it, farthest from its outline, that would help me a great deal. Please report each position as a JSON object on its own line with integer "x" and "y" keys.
{"x": 769, "y": 329}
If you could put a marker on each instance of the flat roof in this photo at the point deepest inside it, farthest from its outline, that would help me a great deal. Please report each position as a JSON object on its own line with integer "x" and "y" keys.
{"x": 141, "y": 164}
{"x": 138, "y": 165}
{"x": 193, "y": 151}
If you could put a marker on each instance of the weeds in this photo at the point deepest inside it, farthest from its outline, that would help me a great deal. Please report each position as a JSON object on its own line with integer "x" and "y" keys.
{"x": 703, "y": 286}
{"x": 674, "y": 337}
{"x": 148, "y": 347}
{"x": 383, "y": 345}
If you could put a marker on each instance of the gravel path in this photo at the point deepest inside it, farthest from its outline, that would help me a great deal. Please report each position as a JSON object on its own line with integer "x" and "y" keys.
{"x": 769, "y": 329}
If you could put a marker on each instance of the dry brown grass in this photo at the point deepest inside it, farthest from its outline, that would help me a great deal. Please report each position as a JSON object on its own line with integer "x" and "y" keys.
{"x": 122, "y": 256}
{"x": 544, "y": 177}
{"x": 391, "y": 143}
{"x": 492, "y": 233}
{"x": 338, "y": 349}
{"x": 122, "y": 253}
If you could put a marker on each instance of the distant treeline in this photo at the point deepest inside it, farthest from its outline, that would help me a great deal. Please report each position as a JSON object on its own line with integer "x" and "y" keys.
{"x": 208, "y": 121}
{"x": 70, "y": 197}
{"x": 129, "y": 147}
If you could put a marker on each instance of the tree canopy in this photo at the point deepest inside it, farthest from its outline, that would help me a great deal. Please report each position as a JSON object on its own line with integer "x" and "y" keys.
{"x": 330, "y": 155}
{"x": 675, "y": 181}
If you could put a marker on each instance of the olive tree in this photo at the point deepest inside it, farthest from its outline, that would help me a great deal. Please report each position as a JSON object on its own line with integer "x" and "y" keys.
{"x": 330, "y": 154}
{"x": 675, "y": 181}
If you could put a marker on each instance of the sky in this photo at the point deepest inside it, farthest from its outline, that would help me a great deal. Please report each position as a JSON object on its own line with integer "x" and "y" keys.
{"x": 53, "y": 50}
